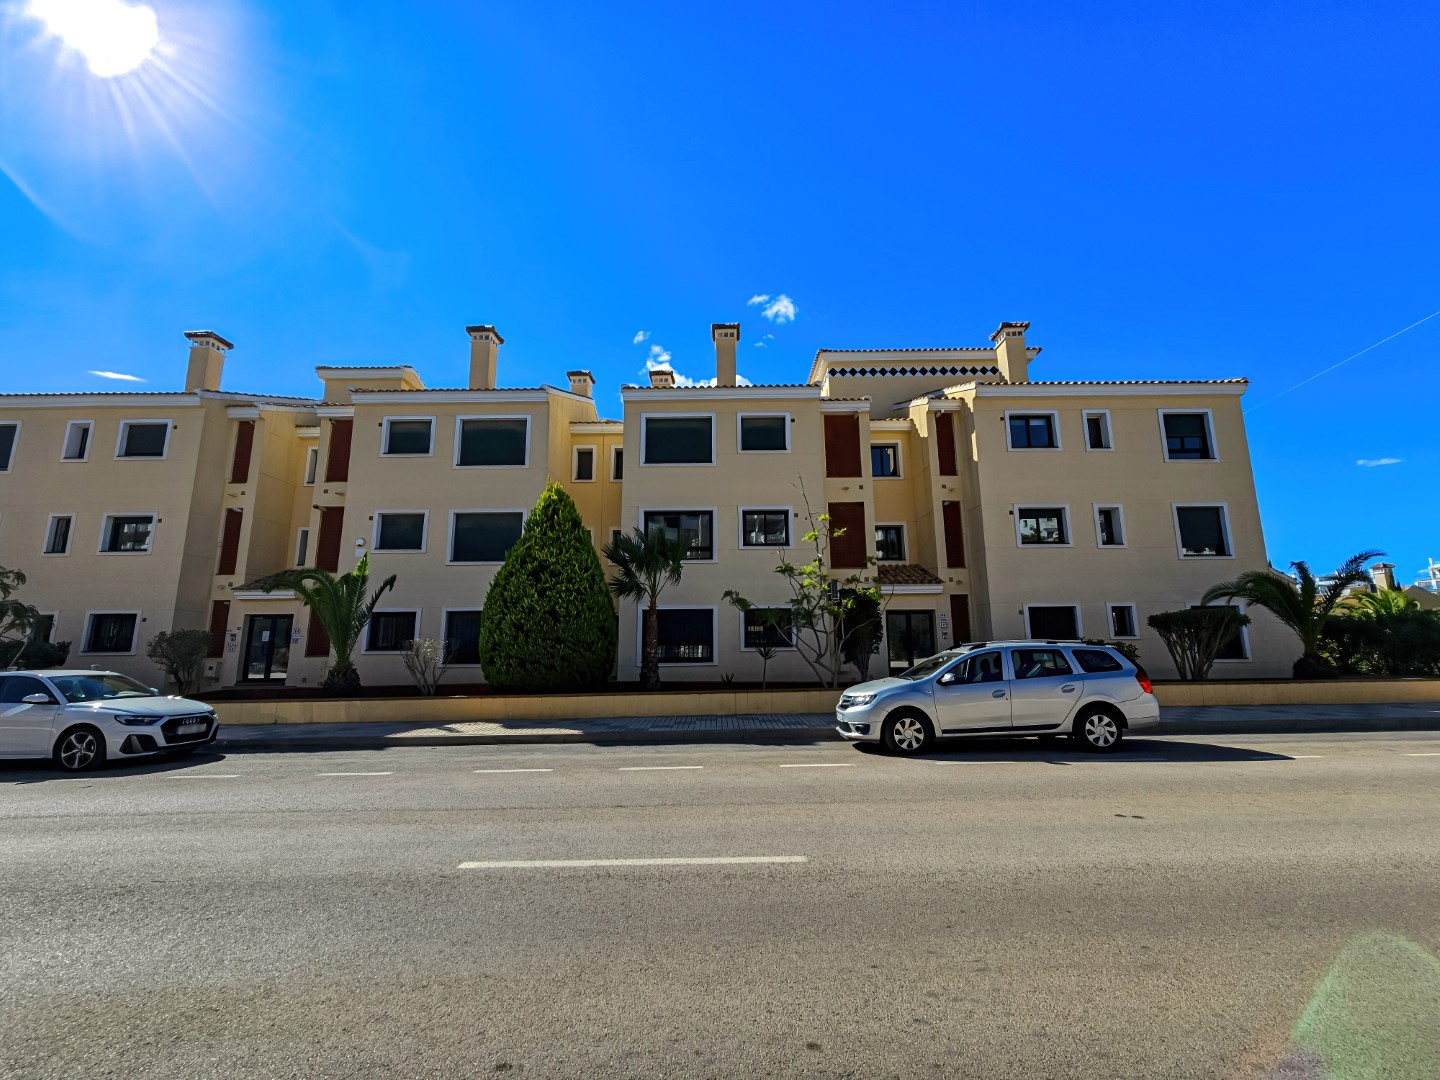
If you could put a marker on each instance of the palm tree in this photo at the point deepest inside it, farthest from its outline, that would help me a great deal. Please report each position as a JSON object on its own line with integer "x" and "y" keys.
{"x": 648, "y": 562}
{"x": 1384, "y": 602}
{"x": 1303, "y": 607}
{"x": 340, "y": 605}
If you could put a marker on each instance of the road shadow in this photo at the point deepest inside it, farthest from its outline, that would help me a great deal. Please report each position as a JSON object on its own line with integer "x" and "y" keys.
{"x": 39, "y": 771}
{"x": 1062, "y": 752}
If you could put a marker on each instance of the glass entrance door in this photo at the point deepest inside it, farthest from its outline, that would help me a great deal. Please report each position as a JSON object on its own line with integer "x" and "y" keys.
{"x": 267, "y": 648}
{"x": 910, "y": 638}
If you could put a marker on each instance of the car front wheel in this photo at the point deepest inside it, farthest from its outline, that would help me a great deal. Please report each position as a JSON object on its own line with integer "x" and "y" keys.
{"x": 1099, "y": 732}
{"x": 80, "y": 749}
{"x": 907, "y": 734}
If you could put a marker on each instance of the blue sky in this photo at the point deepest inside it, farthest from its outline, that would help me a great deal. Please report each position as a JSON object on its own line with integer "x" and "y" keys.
{"x": 1163, "y": 190}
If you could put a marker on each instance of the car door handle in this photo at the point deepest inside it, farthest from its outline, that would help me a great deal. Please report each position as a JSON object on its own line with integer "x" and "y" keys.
{"x": 1067, "y": 689}
{"x": 998, "y": 693}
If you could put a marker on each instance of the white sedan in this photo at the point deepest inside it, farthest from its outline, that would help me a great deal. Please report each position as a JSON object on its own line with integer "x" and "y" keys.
{"x": 84, "y": 718}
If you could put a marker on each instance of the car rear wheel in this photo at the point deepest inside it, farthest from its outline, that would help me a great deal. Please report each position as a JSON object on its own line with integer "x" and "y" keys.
{"x": 80, "y": 749}
{"x": 1099, "y": 732}
{"x": 907, "y": 733}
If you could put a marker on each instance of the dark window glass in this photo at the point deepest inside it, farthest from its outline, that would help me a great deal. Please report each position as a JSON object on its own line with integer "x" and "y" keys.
{"x": 77, "y": 442}
{"x": 1040, "y": 663}
{"x": 687, "y": 635}
{"x": 1122, "y": 621}
{"x": 390, "y": 631}
{"x": 1096, "y": 660}
{"x": 43, "y": 629}
{"x": 884, "y": 459}
{"x": 110, "y": 634}
{"x": 1202, "y": 530}
{"x": 768, "y": 627}
{"x": 484, "y": 537}
{"x": 678, "y": 440}
{"x": 585, "y": 464}
{"x": 401, "y": 532}
{"x": 765, "y": 528}
{"x": 1054, "y": 623}
{"x": 1032, "y": 432}
{"x": 58, "y": 542}
{"x": 980, "y": 668}
{"x": 1234, "y": 646}
{"x": 1043, "y": 526}
{"x": 1111, "y": 534}
{"x": 1187, "y": 437}
{"x": 493, "y": 442}
{"x": 7, "y": 444}
{"x": 129, "y": 534}
{"x": 462, "y": 636}
{"x": 1097, "y": 433}
{"x": 764, "y": 433}
{"x": 617, "y": 464}
{"x": 145, "y": 440}
{"x": 890, "y": 543}
{"x": 14, "y": 688}
{"x": 408, "y": 436}
{"x": 696, "y": 527}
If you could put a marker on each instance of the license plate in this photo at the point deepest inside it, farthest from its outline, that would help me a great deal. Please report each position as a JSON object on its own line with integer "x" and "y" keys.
{"x": 191, "y": 729}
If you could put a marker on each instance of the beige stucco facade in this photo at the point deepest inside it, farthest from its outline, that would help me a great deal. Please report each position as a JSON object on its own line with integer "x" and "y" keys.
{"x": 975, "y": 536}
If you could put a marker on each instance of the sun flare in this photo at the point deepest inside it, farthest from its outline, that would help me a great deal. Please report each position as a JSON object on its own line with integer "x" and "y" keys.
{"x": 114, "y": 37}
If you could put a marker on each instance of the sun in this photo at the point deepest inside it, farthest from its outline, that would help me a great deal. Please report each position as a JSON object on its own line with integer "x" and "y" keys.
{"x": 114, "y": 37}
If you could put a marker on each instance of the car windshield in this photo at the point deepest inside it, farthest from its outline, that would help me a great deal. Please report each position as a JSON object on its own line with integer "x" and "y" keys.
{"x": 928, "y": 667}
{"x": 99, "y": 687}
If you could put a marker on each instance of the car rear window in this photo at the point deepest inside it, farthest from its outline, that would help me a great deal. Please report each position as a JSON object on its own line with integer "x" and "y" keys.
{"x": 1097, "y": 660}
{"x": 1039, "y": 663}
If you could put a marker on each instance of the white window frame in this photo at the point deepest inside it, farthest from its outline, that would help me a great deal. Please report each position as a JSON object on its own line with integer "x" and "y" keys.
{"x": 450, "y": 535}
{"x": 1095, "y": 509}
{"x": 789, "y": 512}
{"x": 14, "y": 445}
{"x": 644, "y": 434}
{"x": 385, "y": 435}
{"x": 1079, "y": 619}
{"x": 89, "y": 441}
{"x": 1110, "y": 606}
{"x": 594, "y": 463}
{"x": 778, "y": 648}
{"x": 1085, "y": 431}
{"x": 1243, "y": 609}
{"x": 904, "y": 541}
{"x": 312, "y": 466}
{"x": 105, "y": 533}
{"x": 365, "y": 640}
{"x": 740, "y": 419}
{"x": 1069, "y": 527}
{"x": 899, "y": 458}
{"x": 445, "y": 614}
{"x": 70, "y": 540}
{"x": 302, "y": 545}
{"x": 125, "y": 426}
{"x": 460, "y": 427}
{"x": 665, "y": 665}
{"x": 714, "y": 535}
{"x": 1054, "y": 426}
{"x": 424, "y": 531}
{"x": 86, "y": 628}
{"x": 616, "y": 452}
{"x": 1209, "y": 435}
{"x": 1224, "y": 509}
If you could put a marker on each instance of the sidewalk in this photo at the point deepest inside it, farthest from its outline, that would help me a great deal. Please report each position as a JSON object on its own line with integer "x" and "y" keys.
{"x": 793, "y": 728}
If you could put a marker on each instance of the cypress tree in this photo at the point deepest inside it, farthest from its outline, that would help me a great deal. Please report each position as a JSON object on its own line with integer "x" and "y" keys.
{"x": 548, "y": 623}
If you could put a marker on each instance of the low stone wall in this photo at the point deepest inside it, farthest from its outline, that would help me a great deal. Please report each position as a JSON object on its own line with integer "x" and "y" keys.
{"x": 1296, "y": 692}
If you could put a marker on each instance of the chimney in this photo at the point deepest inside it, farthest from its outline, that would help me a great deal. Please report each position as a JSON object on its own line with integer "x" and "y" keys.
{"x": 207, "y": 359}
{"x": 581, "y": 382}
{"x": 1010, "y": 353}
{"x": 662, "y": 377}
{"x": 1383, "y": 575}
{"x": 726, "y": 336}
{"x": 485, "y": 344}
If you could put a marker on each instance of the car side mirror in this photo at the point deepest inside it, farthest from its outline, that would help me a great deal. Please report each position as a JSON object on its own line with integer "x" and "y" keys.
{"x": 947, "y": 679}
{"x": 155, "y": 690}
{"x": 36, "y": 699}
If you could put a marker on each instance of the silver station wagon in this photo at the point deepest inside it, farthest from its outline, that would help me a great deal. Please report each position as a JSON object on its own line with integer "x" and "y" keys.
{"x": 998, "y": 688}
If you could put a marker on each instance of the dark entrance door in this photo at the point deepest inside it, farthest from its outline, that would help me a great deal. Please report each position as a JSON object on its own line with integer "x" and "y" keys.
{"x": 910, "y": 636}
{"x": 267, "y": 649}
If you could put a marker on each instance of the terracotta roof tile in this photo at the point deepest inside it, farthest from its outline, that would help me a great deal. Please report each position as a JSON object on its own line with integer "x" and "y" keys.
{"x": 905, "y": 574}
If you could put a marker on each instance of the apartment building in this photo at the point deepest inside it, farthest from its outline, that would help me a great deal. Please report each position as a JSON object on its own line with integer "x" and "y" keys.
{"x": 992, "y": 505}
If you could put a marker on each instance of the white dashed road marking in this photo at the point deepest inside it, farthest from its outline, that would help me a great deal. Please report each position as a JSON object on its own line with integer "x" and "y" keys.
{"x": 559, "y": 864}
{"x": 511, "y": 770}
{"x": 1306, "y": 757}
{"x": 655, "y": 768}
{"x": 1424, "y": 755}
{"x": 355, "y": 774}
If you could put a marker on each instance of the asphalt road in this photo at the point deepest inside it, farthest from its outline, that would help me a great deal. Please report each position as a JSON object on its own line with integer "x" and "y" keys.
{"x": 1245, "y": 908}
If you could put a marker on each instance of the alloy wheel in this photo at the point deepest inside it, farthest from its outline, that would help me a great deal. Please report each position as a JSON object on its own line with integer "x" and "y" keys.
{"x": 79, "y": 750}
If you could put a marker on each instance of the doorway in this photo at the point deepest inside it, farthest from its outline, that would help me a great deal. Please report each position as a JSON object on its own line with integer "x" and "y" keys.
{"x": 910, "y": 638}
{"x": 266, "y": 658}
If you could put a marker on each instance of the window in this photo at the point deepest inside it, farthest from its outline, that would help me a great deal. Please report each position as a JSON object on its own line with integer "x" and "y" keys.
{"x": 1097, "y": 431}
{"x": 1202, "y": 531}
{"x": 312, "y": 464}
{"x": 111, "y": 632}
{"x": 584, "y": 463}
{"x": 143, "y": 439}
{"x": 8, "y": 435}
{"x": 1040, "y": 663}
{"x": 1122, "y": 621}
{"x": 765, "y": 433}
{"x": 127, "y": 533}
{"x": 462, "y": 636}
{"x": 302, "y": 546}
{"x": 1109, "y": 526}
{"x": 57, "y": 535}
{"x": 617, "y": 463}
{"x": 390, "y": 631}
{"x": 615, "y": 535}
{"x": 890, "y": 543}
{"x": 1058, "y": 622}
{"x": 77, "y": 441}
{"x": 677, "y": 440}
{"x": 764, "y": 528}
{"x": 1042, "y": 525}
{"x": 402, "y": 530}
{"x": 694, "y": 526}
{"x": 1237, "y": 646}
{"x": 1033, "y": 431}
{"x": 493, "y": 442}
{"x": 979, "y": 668}
{"x": 484, "y": 536}
{"x": 767, "y": 628}
{"x": 16, "y": 688}
{"x": 42, "y": 629}
{"x": 687, "y": 635}
{"x": 1187, "y": 436}
{"x": 1097, "y": 660}
{"x": 407, "y": 437}
{"x": 884, "y": 460}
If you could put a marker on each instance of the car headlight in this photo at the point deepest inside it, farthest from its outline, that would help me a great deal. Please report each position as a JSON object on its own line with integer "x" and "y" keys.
{"x": 850, "y": 701}
{"x": 138, "y": 721}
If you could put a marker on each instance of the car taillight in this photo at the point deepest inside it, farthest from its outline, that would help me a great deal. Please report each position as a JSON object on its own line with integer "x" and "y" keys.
{"x": 1144, "y": 680}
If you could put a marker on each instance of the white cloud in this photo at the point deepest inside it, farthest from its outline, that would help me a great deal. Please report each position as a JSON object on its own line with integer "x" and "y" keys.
{"x": 780, "y": 310}
{"x": 769, "y": 335}
{"x": 1370, "y": 463}
{"x": 759, "y": 345}
{"x": 758, "y": 298}
{"x": 641, "y": 336}
{"x": 659, "y": 358}
{"x": 682, "y": 380}
{"x": 117, "y": 375}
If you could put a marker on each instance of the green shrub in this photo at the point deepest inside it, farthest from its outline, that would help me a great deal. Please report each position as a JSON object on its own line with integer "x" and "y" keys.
{"x": 548, "y": 623}
{"x": 33, "y": 655}
{"x": 1127, "y": 649}
{"x": 1194, "y": 636}
{"x": 179, "y": 653}
{"x": 1392, "y": 643}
